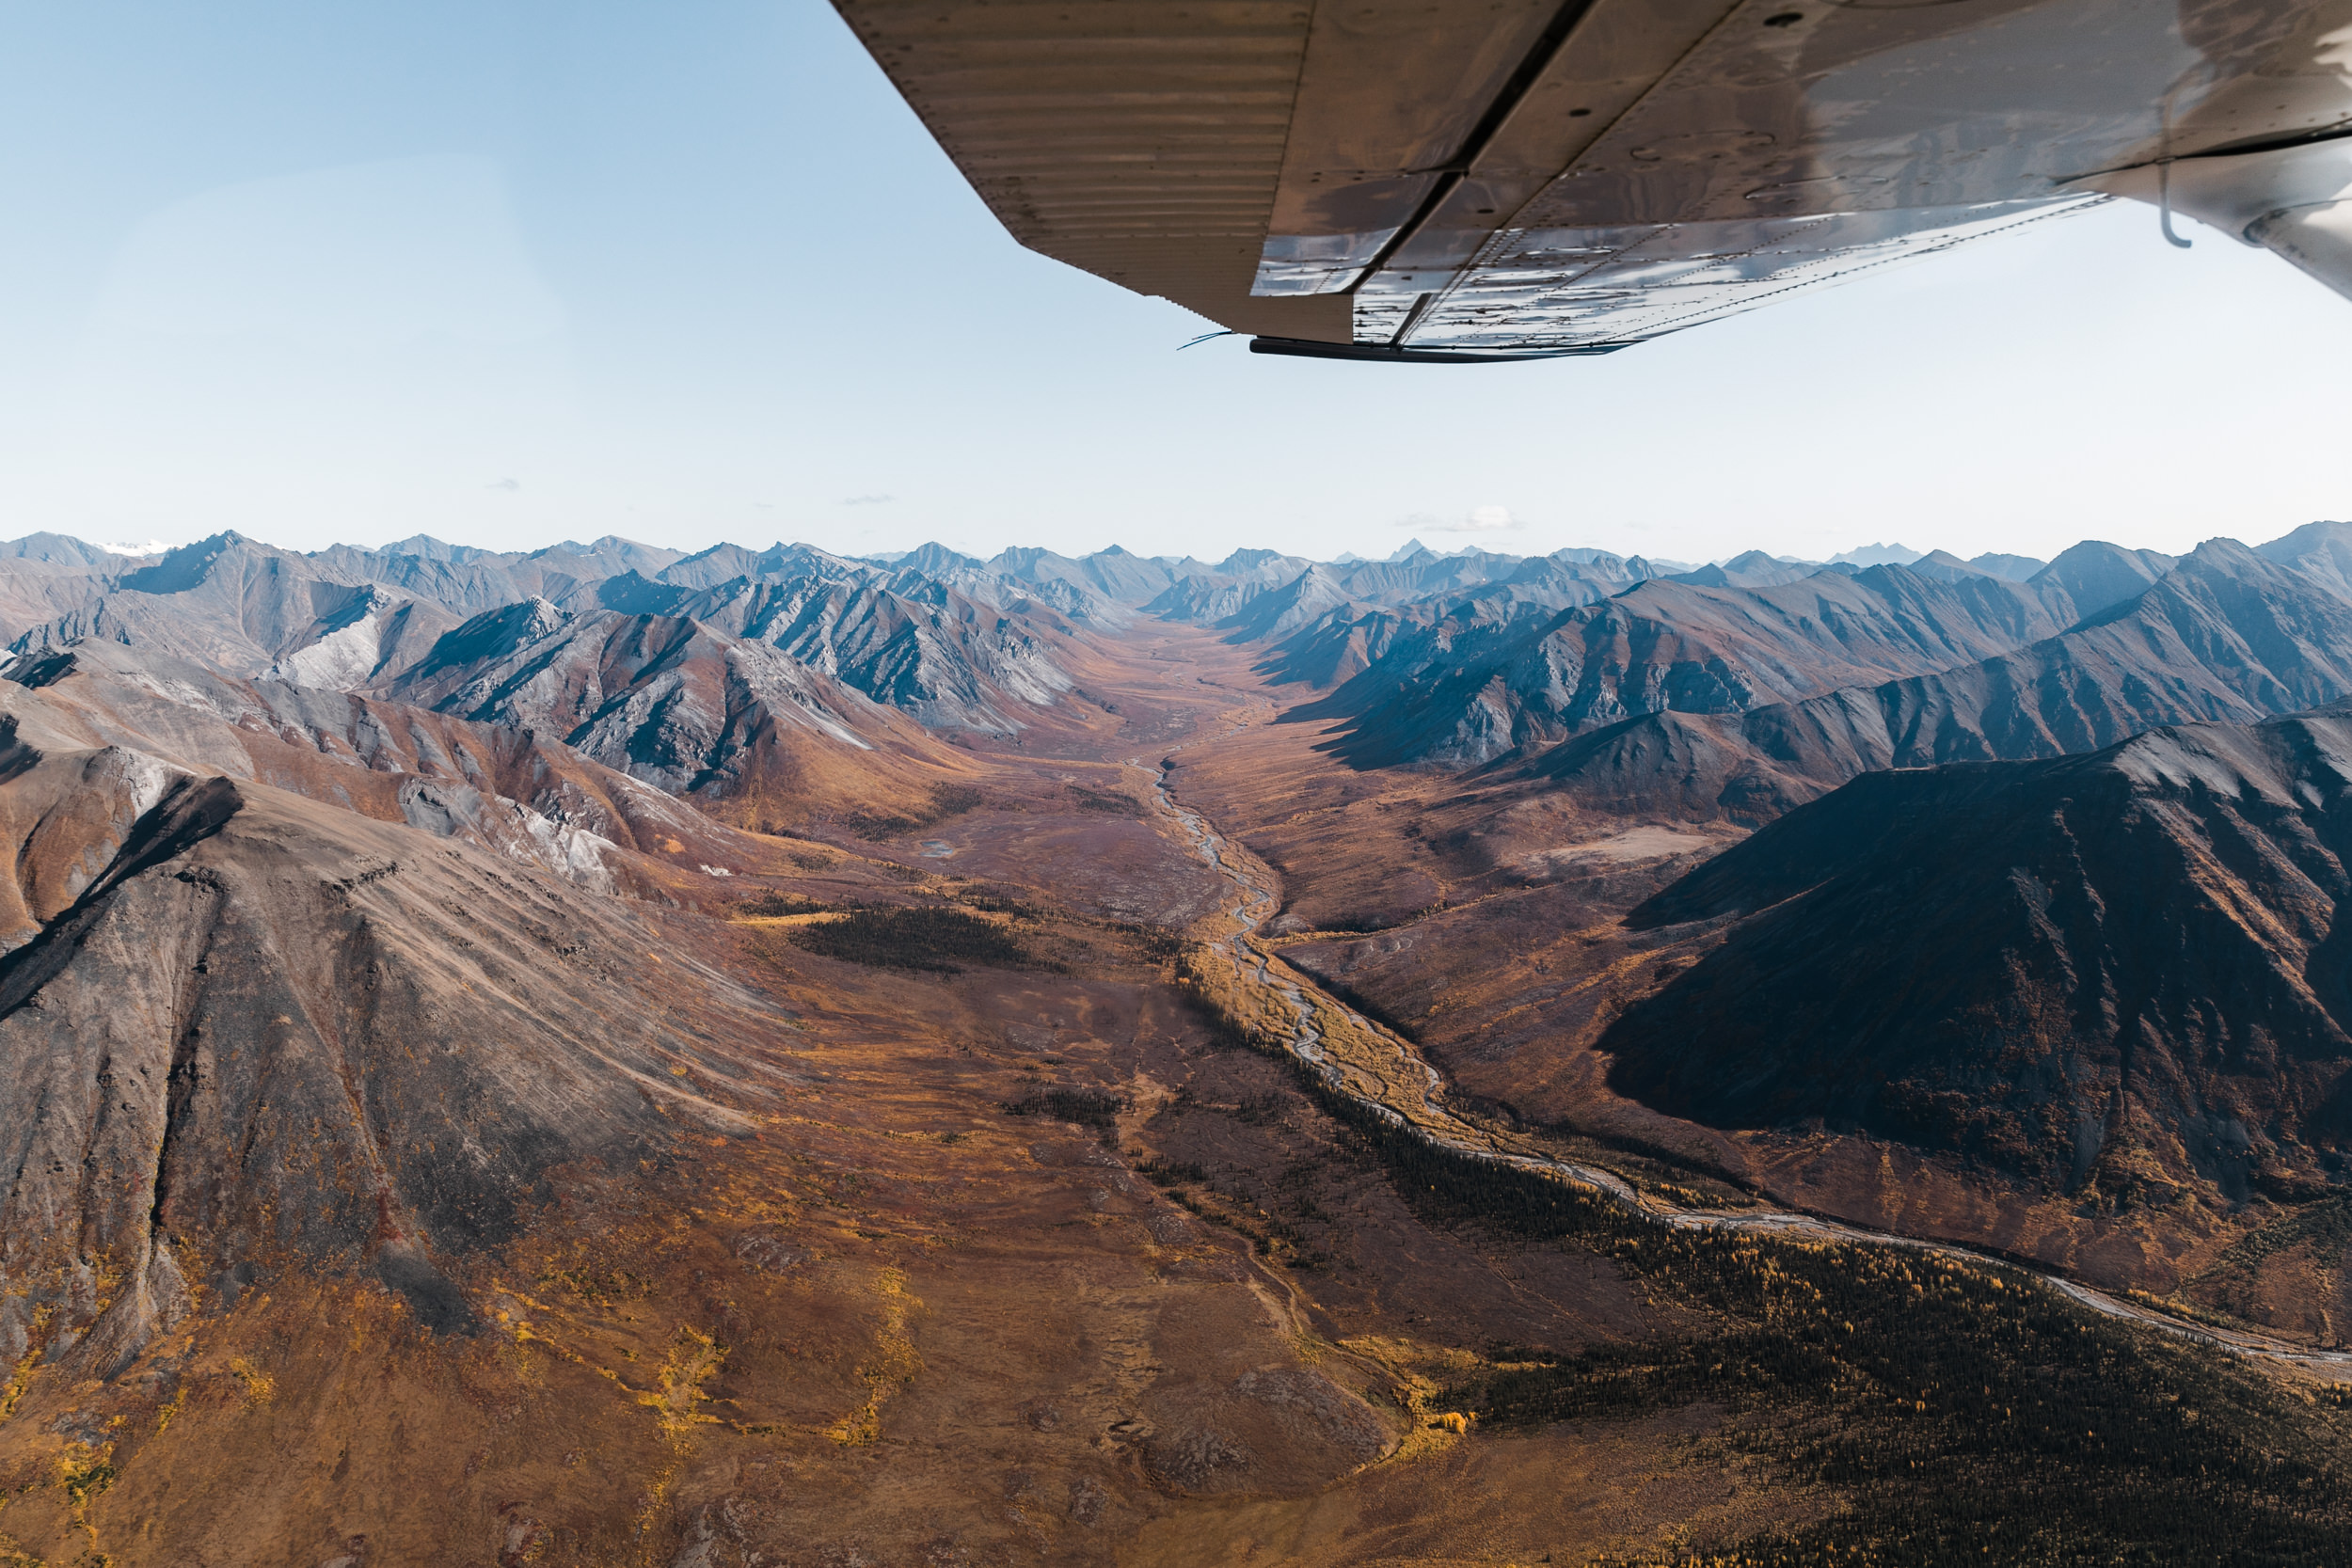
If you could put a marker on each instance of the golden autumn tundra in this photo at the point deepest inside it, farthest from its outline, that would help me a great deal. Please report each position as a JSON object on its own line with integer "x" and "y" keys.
{"x": 765, "y": 1057}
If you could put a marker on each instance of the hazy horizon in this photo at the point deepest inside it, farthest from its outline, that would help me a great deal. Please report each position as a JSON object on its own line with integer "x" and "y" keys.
{"x": 1892, "y": 550}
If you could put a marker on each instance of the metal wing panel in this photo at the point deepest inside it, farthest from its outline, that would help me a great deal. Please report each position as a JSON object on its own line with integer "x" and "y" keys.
{"x": 1369, "y": 143}
{"x": 1138, "y": 140}
{"x": 1559, "y": 290}
{"x": 1501, "y": 176}
{"x": 1953, "y": 121}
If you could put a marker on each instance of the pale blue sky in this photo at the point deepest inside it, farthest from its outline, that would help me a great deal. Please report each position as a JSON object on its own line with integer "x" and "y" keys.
{"x": 512, "y": 272}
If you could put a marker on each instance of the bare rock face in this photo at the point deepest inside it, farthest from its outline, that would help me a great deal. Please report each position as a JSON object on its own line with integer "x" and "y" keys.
{"x": 2125, "y": 971}
{"x": 274, "y": 1034}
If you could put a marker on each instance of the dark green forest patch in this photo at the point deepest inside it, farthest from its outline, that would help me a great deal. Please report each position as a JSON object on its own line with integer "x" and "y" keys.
{"x": 940, "y": 940}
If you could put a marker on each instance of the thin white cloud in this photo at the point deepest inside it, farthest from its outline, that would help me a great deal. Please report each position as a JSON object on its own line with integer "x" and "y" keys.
{"x": 1481, "y": 519}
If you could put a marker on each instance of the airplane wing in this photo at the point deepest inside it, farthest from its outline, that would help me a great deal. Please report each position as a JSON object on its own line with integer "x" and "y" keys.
{"x": 1466, "y": 180}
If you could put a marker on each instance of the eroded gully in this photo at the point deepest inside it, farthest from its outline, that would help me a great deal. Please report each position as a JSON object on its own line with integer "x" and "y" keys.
{"x": 1387, "y": 1077}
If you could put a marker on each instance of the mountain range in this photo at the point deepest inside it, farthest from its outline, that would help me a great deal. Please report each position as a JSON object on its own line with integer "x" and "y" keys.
{"x": 637, "y": 1040}
{"x": 2228, "y": 633}
{"x": 1750, "y": 683}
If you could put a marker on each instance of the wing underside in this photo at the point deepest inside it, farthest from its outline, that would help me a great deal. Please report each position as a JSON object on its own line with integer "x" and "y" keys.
{"x": 1533, "y": 177}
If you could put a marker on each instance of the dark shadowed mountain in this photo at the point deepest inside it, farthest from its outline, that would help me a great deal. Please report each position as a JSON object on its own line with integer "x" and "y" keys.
{"x": 2119, "y": 972}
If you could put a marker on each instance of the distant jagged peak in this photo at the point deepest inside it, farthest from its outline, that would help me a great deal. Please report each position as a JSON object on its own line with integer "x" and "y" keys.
{"x": 2322, "y": 532}
{"x": 716, "y": 565}
{"x": 2222, "y": 550}
{"x": 801, "y": 556}
{"x": 426, "y": 547}
{"x": 536, "y": 617}
{"x": 1245, "y": 560}
{"x": 1877, "y": 554}
{"x": 1944, "y": 566}
{"x": 1416, "y": 549}
{"x": 1018, "y": 560}
{"x": 65, "y": 553}
{"x": 2223, "y": 560}
{"x": 2097, "y": 576}
{"x": 1752, "y": 569}
{"x": 935, "y": 558}
{"x": 2009, "y": 568}
{"x": 610, "y": 548}
{"x": 2321, "y": 551}
{"x": 778, "y": 563}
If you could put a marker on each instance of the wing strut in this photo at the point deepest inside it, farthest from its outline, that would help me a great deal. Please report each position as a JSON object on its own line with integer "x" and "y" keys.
{"x": 2164, "y": 203}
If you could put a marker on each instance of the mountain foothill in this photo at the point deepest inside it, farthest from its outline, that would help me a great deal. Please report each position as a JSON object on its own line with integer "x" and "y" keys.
{"x": 645, "y": 1040}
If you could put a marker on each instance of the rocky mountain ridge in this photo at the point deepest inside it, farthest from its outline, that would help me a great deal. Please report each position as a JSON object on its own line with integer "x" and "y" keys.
{"x": 1755, "y": 683}
{"x": 2227, "y": 635}
{"x": 1484, "y": 676}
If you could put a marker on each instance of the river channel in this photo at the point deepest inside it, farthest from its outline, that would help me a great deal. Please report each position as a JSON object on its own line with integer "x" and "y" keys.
{"x": 1402, "y": 1088}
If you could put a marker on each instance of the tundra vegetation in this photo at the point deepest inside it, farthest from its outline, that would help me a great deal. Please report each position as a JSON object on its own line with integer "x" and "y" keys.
{"x": 1960, "y": 1411}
